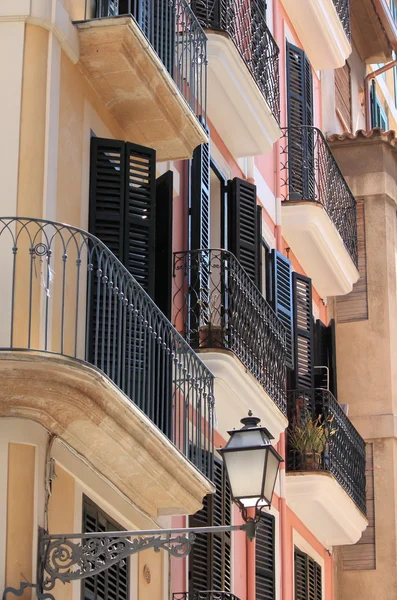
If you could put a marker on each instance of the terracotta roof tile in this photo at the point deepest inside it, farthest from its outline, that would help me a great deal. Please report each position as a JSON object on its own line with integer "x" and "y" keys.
{"x": 375, "y": 134}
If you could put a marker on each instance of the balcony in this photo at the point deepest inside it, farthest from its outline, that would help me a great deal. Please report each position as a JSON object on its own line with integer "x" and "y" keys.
{"x": 243, "y": 75}
{"x": 148, "y": 63}
{"x": 207, "y": 595}
{"x": 323, "y": 28}
{"x": 87, "y": 353}
{"x": 326, "y": 488}
{"x": 318, "y": 212}
{"x": 222, "y": 314}
{"x": 374, "y": 29}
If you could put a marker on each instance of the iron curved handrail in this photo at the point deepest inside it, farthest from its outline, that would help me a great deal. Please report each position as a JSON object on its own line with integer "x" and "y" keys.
{"x": 65, "y": 292}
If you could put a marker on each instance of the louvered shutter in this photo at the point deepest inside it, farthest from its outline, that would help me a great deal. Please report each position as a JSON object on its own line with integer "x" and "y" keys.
{"x": 243, "y": 226}
{"x": 200, "y": 555}
{"x": 140, "y": 217}
{"x": 200, "y": 198}
{"x": 300, "y": 116}
{"x": 106, "y": 221}
{"x": 282, "y": 299}
{"x": 325, "y": 355}
{"x": 112, "y": 584}
{"x": 300, "y": 576}
{"x": 200, "y": 238}
{"x": 107, "y": 184}
{"x": 308, "y": 577}
{"x": 163, "y": 268}
{"x": 303, "y": 332}
{"x": 221, "y": 542}
{"x": 210, "y": 558}
{"x": 265, "y": 558}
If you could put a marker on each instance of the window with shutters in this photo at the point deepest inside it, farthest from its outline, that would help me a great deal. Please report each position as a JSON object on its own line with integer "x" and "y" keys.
{"x": 308, "y": 577}
{"x": 210, "y": 558}
{"x": 112, "y": 584}
{"x": 343, "y": 96}
{"x": 265, "y": 558}
{"x": 300, "y": 119}
{"x": 122, "y": 204}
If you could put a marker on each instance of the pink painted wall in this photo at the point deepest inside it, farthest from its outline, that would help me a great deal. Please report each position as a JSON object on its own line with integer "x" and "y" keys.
{"x": 269, "y": 167}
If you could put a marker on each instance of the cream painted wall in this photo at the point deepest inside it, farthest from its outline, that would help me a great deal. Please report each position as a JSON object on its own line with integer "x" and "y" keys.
{"x": 331, "y": 122}
{"x": 11, "y": 46}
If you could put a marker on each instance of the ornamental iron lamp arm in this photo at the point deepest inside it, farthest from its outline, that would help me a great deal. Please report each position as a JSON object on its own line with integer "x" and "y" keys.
{"x": 71, "y": 557}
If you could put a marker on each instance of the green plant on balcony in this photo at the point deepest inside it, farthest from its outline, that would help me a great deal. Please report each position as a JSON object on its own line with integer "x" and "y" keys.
{"x": 309, "y": 437}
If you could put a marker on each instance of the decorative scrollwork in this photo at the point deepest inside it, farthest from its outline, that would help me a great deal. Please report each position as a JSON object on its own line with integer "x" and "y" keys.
{"x": 68, "y": 559}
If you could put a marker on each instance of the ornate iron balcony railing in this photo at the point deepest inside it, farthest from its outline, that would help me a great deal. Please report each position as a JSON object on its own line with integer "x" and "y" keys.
{"x": 175, "y": 34}
{"x": 344, "y": 450}
{"x": 207, "y": 595}
{"x": 218, "y": 306}
{"x": 245, "y": 23}
{"x": 343, "y": 10}
{"x": 64, "y": 292}
{"x": 311, "y": 173}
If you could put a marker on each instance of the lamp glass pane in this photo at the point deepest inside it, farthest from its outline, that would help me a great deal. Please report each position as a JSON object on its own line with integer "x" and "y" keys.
{"x": 244, "y": 439}
{"x": 271, "y": 475}
{"x": 245, "y": 470}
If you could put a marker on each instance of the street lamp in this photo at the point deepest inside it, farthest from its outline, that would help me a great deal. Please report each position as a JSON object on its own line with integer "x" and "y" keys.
{"x": 251, "y": 464}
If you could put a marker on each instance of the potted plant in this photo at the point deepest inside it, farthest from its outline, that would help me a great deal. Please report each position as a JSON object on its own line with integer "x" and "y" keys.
{"x": 308, "y": 437}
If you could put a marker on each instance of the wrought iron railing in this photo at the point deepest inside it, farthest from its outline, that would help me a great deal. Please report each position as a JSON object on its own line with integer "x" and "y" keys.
{"x": 343, "y": 10}
{"x": 338, "y": 448}
{"x": 311, "y": 173}
{"x": 175, "y": 34}
{"x": 245, "y": 22}
{"x": 216, "y": 305}
{"x": 63, "y": 291}
{"x": 207, "y": 595}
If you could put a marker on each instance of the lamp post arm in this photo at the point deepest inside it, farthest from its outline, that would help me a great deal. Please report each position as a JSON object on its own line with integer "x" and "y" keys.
{"x": 76, "y": 556}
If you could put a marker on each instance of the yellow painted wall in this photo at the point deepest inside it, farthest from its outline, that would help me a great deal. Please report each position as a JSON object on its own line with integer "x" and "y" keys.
{"x": 20, "y": 515}
{"x": 33, "y": 118}
{"x": 150, "y": 575}
{"x": 61, "y": 517}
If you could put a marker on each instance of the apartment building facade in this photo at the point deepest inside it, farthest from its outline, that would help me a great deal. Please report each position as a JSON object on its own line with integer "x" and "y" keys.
{"x": 179, "y": 241}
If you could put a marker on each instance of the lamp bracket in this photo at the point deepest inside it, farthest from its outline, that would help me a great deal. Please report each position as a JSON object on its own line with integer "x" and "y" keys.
{"x": 71, "y": 557}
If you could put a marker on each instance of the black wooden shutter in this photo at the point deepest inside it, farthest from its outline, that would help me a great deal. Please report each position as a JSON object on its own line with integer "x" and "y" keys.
{"x": 210, "y": 558}
{"x": 300, "y": 116}
{"x": 200, "y": 198}
{"x": 303, "y": 332}
{"x": 163, "y": 268}
{"x": 200, "y": 555}
{"x": 112, "y": 584}
{"x": 282, "y": 299}
{"x": 265, "y": 558}
{"x": 107, "y": 185}
{"x": 221, "y": 542}
{"x": 243, "y": 227}
{"x": 325, "y": 355}
{"x": 308, "y": 577}
{"x": 106, "y": 221}
{"x": 122, "y": 204}
{"x": 140, "y": 217}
